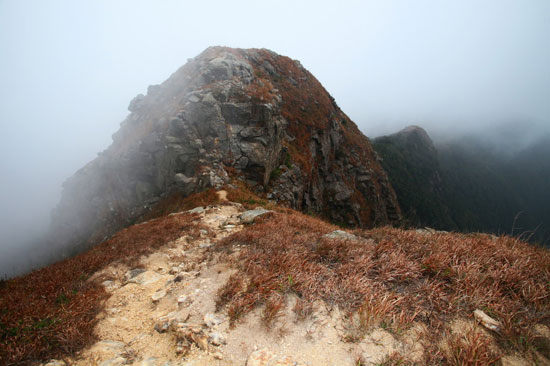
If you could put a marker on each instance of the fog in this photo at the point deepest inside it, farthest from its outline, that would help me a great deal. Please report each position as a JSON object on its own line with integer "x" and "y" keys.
{"x": 69, "y": 69}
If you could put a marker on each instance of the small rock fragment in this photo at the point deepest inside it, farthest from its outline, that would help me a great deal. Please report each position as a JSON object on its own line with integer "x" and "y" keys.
{"x": 200, "y": 340}
{"x": 487, "y": 321}
{"x": 117, "y": 361}
{"x": 55, "y": 363}
{"x": 205, "y": 244}
{"x": 341, "y": 235}
{"x": 211, "y": 320}
{"x": 198, "y": 210}
{"x": 164, "y": 323}
{"x": 263, "y": 357}
{"x": 107, "y": 283}
{"x": 158, "y": 295}
{"x": 232, "y": 220}
{"x": 188, "y": 334}
{"x": 145, "y": 278}
{"x": 151, "y": 361}
{"x": 182, "y": 301}
{"x": 134, "y": 272}
{"x": 217, "y": 339}
{"x": 107, "y": 345}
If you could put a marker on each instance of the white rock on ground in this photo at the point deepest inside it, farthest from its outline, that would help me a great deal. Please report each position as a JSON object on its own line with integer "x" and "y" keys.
{"x": 248, "y": 217}
{"x": 487, "y": 321}
{"x": 158, "y": 295}
{"x": 56, "y": 363}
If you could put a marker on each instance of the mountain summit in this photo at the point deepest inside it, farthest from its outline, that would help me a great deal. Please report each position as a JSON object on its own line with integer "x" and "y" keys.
{"x": 236, "y": 117}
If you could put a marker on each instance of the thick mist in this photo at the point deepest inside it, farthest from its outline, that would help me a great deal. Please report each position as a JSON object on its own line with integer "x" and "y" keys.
{"x": 69, "y": 69}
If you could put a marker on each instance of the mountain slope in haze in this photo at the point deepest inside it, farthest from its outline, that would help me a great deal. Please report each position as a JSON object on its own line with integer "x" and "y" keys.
{"x": 467, "y": 186}
{"x": 230, "y": 116}
{"x": 412, "y": 163}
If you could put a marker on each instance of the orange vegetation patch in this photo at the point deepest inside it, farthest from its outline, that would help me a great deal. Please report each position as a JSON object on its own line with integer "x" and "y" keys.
{"x": 305, "y": 103}
{"x": 393, "y": 278}
{"x": 177, "y": 202}
{"x": 247, "y": 198}
{"x": 52, "y": 311}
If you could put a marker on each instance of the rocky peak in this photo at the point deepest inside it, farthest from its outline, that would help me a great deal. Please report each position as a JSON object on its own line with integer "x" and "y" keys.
{"x": 228, "y": 116}
{"x": 415, "y": 137}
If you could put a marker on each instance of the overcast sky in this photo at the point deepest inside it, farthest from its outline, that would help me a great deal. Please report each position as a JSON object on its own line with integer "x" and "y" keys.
{"x": 68, "y": 70}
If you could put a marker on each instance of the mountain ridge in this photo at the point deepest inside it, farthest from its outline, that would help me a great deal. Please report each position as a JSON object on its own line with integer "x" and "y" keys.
{"x": 230, "y": 115}
{"x": 466, "y": 185}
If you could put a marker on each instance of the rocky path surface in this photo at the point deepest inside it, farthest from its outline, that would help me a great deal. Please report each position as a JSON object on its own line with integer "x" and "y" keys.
{"x": 163, "y": 313}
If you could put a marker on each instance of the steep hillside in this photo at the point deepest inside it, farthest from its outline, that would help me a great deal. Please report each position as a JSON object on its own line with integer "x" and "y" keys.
{"x": 412, "y": 163}
{"x": 230, "y": 116}
{"x": 466, "y": 185}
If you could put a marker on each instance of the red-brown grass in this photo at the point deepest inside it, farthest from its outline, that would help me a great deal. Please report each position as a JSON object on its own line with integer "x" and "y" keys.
{"x": 51, "y": 312}
{"x": 272, "y": 308}
{"x": 393, "y": 359}
{"x": 247, "y": 198}
{"x": 396, "y": 278}
{"x": 471, "y": 349}
{"x": 177, "y": 202}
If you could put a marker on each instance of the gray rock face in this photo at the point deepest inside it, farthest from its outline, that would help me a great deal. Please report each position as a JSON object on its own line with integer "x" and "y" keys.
{"x": 227, "y": 108}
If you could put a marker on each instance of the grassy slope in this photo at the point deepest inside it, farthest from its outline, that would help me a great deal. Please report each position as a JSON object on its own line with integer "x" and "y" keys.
{"x": 400, "y": 277}
{"x": 52, "y": 311}
{"x": 403, "y": 277}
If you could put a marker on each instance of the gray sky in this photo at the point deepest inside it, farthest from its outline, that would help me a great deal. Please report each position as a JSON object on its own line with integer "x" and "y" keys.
{"x": 68, "y": 70}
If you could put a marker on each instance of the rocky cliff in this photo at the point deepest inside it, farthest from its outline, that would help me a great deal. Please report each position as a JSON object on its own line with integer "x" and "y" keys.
{"x": 412, "y": 162}
{"x": 230, "y": 116}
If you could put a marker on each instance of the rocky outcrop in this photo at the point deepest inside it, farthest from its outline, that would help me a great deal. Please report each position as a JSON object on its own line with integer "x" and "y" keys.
{"x": 227, "y": 115}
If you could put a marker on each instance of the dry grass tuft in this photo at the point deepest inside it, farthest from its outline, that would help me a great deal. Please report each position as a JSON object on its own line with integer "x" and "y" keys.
{"x": 51, "y": 312}
{"x": 245, "y": 197}
{"x": 403, "y": 277}
{"x": 394, "y": 359}
{"x": 272, "y": 309}
{"x": 471, "y": 349}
